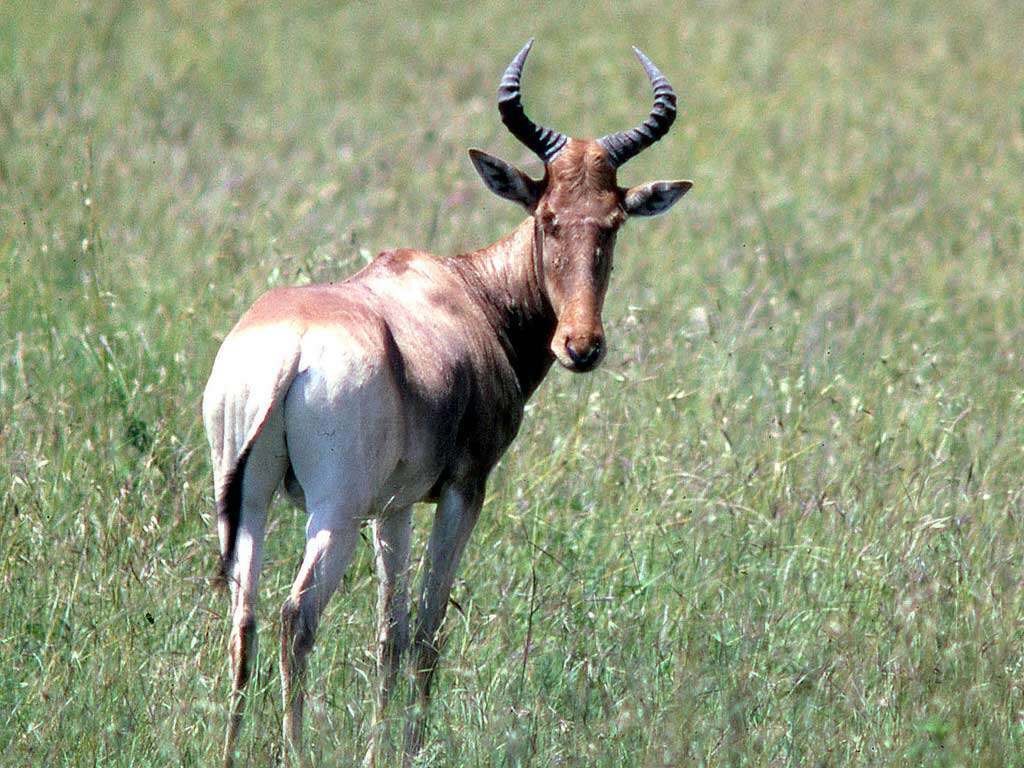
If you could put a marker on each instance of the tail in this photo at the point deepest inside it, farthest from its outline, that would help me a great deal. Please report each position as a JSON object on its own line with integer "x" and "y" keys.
{"x": 229, "y": 515}
{"x": 250, "y": 378}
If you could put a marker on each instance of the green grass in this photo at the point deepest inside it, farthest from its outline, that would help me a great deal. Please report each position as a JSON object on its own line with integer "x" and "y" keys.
{"x": 782, "y": 526}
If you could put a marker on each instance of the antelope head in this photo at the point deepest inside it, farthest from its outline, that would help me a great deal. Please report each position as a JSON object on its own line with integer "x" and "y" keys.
{"x": 578, "y": 207}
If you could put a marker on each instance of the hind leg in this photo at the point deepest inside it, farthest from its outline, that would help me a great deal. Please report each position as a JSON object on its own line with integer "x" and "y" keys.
{"x": 391, "y": 535}
{"x": 262, "y": 473}
{"x": 330, "y": 543}
{"x": 340, "y": 415}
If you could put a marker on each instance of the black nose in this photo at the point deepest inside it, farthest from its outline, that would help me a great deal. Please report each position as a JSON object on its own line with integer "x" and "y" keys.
{"x": 585, "y": 357}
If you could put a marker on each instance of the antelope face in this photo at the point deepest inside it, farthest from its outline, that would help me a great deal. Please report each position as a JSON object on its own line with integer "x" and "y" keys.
{"x": 578, "y": 207}
{"x": 576, "y": 222}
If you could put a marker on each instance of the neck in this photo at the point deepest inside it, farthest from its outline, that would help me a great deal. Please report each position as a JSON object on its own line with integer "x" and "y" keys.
{"x": 503, "y": 279}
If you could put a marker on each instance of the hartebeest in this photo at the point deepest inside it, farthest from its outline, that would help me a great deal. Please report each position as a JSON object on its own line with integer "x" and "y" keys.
{"x": 406, "y": 383}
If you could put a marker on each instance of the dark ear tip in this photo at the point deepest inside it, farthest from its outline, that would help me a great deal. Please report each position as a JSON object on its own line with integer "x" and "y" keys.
{"x": 478, "y": 157}
{"x": 684, "y": 186}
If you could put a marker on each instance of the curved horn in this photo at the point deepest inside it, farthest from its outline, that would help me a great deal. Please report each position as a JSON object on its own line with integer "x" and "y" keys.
{"x": 624, "y": 145}
{"x": 544, "y": 142}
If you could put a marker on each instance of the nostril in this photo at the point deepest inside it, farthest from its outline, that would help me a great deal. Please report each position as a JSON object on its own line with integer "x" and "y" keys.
{"x": 584, "y": 356}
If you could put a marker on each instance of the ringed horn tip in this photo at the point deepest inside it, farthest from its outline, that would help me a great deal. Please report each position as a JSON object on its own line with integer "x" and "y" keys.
{"x": 625, "y": 145}
{"x": 544, "y": 142}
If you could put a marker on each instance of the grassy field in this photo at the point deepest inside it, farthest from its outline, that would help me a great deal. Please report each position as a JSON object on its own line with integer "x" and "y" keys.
{"x": 782, "y": 526}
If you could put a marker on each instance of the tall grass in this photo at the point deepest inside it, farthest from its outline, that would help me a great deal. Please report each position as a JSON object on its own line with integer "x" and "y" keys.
{"x": 781, "y": 526}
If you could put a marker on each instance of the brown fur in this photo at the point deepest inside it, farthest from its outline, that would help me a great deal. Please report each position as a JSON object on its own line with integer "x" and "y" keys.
{"x": 464, "y": 337}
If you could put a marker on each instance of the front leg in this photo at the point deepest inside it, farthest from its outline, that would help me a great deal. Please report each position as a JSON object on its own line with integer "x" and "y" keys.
{"x": 457, "y": 513}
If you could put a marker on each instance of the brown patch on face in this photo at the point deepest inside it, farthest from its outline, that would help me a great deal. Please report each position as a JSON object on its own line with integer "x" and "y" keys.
{"x": 578, "y": 217}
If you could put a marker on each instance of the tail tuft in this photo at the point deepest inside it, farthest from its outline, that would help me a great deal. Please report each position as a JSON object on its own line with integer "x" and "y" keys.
{"x": 229, "y": 513}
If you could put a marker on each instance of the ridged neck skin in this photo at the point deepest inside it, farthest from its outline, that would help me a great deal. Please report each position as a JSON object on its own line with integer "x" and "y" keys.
{"x": 503, "y": 278}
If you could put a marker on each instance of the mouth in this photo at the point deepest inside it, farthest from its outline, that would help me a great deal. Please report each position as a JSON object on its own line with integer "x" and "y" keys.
{"x": 575, "y": 368}
{"x": 580, "y": 363}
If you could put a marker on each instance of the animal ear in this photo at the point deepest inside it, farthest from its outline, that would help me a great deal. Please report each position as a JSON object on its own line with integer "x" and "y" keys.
{"x": 655, "y": 197}
{"x": 505, "y": 180}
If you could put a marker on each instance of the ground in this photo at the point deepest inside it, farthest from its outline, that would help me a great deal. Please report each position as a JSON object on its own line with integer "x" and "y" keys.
{"x": 781, "y": 526}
